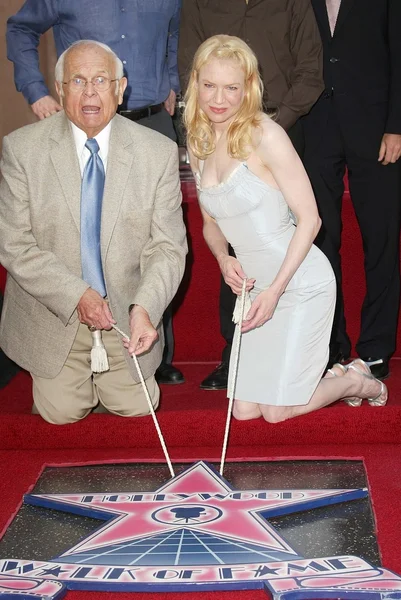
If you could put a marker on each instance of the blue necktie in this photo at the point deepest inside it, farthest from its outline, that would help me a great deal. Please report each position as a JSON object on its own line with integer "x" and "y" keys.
{"x": 91, "y": 212}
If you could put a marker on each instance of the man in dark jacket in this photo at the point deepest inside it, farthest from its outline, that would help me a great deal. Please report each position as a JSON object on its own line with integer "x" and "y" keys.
{"x": 356, "y": 124}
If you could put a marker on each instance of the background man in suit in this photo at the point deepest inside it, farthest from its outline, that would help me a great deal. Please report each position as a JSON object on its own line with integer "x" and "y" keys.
{"x": 62, "y": 265}
{"x": 144, "y": 34}
{"x": 357, "y": 124}
{"x": 285, "y": 38}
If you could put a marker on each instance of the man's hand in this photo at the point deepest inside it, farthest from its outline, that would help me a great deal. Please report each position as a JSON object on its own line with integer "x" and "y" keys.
{"x": 94, "y": 311}
{"x": 169, "y": 103}
{"x": 45, "y": 107}
{"x": 143, "y": 334}
{"x": 234, "y": 275}
{"x": 390, "y": 148}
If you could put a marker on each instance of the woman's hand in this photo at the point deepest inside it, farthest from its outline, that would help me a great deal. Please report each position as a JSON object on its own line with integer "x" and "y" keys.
{"x": 262, "y": 310}
{"x": 234, "y": 275}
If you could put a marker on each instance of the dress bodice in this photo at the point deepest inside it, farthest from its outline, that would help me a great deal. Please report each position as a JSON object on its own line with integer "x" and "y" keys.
{"x": 248, "y": 211}
{"x": 256, "y": 220}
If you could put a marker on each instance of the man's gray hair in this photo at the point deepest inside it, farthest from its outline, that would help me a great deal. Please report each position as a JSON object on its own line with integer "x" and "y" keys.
{"x": 59, "y": 70}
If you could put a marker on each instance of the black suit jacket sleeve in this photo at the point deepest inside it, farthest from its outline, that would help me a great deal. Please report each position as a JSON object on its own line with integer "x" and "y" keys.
{"x": 393, "y": 124}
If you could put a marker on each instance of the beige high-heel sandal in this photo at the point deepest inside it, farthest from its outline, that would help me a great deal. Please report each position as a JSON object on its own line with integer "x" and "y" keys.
{"x": 362, "y": 368}
{"x": 353, "y": 400}
{"x": 338, "y": 366}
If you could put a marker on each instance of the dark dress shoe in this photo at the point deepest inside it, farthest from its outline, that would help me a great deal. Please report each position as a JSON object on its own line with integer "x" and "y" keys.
{"x": 218, "y": 379}
{"x": 379, "y": 367}
{"x": 167, "y": 374}
{"x": 8, "y": 369}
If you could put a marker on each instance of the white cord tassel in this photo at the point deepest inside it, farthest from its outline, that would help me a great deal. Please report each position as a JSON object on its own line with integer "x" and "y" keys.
{"x": 150, "y": 405}
{"x": 99, "y": 359}
{"x": 231, "y": 387}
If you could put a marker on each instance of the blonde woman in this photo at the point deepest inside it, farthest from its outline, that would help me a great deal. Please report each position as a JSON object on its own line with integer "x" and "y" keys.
{"x": 252, "y": 186}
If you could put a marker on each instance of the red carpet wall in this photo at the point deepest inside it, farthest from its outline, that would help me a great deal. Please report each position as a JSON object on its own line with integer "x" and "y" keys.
{"x": 196, "y": 323}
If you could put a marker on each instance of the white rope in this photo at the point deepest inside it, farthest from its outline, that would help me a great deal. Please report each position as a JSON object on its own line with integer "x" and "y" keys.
{"x": 152, "y": 410}
{"x": 233, "y": 378}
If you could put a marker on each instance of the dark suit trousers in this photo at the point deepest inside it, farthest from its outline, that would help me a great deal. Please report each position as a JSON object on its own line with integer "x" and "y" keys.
{"x": 227, "y": 298}
{"x": 163, "y": 123}
{"x": 376, "y": 194}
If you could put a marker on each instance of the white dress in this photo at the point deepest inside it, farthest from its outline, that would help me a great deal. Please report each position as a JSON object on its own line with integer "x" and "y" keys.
{"x": 281, "y": 362}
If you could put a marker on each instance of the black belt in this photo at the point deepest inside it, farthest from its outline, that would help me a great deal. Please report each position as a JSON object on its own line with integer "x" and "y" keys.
{"x": 141, "y": 113}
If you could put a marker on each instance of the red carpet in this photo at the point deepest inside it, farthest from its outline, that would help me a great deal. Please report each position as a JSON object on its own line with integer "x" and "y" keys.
{"x": 193, "y": 420}
{"x": 192, "y": 417}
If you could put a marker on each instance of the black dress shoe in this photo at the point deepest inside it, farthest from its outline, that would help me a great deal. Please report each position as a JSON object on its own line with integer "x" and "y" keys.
{"x": 218, "y": 379}
{"x": 167, "y": 374}
{"x": 8, "y": 369}
{"x": 379, "y": 367}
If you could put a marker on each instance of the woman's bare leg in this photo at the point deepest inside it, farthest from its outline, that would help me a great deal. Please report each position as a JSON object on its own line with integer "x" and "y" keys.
{"x": 245, "y": 411}
{"x": 329, "y": 390}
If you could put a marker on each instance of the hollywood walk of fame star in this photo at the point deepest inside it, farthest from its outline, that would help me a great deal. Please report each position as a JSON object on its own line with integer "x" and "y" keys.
{"x": 195, "y": 518}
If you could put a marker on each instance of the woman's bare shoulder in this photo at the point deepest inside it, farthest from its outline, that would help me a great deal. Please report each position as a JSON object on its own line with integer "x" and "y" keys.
{"x": 271, "y": 143}
{"x": 266, "y": 132}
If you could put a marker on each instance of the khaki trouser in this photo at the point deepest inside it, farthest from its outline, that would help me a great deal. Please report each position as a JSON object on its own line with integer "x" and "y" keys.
{"x": 76, "y": 391}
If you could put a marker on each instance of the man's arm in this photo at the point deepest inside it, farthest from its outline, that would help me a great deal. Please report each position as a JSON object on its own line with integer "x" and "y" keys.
{"x": 390, "y": 148}
{"x": 172, "y": 58}
{"x": 163, "y": 257}
{"x": 307, "y": 80}
{"x": 191, "y": 37}
{"x": 39, "y": 272}
{"x": 394, "y": 39}
{"x": 172, "y": 49}
{"x": 23, "y": 34}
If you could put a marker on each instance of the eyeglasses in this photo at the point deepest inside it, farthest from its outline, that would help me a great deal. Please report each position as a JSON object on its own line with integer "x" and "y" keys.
{"x": 78, "y": 84}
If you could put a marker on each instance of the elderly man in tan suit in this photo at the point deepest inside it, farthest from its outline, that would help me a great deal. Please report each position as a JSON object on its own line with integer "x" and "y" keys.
{"x": 52, "y": 171}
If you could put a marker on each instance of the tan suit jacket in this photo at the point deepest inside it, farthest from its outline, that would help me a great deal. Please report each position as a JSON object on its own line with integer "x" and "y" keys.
{"x": 143, "y": 241}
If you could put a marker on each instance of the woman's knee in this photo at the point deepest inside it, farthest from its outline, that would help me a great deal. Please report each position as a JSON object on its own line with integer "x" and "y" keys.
{"x": 244, "y": 411}
{"x": 275, "y": 414}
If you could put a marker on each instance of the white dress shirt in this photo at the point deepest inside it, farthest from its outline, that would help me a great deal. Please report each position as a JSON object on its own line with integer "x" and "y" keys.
{"x": 333, "y": 8}
{"x": 83, "y": 153}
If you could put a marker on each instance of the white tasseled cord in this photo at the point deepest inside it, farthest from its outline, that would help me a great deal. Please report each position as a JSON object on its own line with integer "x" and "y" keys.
{"x": 152, "y": 410}
{"x": 99, "y": 359}
{"x": 231, "y": 388}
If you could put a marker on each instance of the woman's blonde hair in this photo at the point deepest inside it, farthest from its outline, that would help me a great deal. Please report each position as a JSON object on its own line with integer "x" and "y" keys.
{"x": 200, "y": 136}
